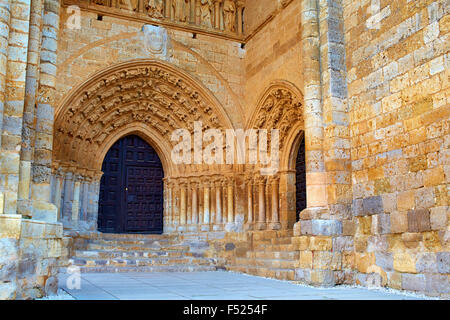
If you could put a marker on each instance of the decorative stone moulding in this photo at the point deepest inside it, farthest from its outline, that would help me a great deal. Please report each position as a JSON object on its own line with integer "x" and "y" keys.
{"x": 219, "y": 18}
{"x": 145, "y": 97}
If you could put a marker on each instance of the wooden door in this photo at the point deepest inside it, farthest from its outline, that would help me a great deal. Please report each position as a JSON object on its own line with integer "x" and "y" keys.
{"x": 131, "y": 189}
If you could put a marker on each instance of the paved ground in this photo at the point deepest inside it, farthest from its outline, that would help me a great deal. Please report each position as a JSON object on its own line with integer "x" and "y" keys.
{"x": 210, "y": 286}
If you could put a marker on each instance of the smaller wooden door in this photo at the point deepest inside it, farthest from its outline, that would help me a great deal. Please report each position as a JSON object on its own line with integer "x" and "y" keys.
{"x": 131, "y": 189}
{"x": 300, "y": 179}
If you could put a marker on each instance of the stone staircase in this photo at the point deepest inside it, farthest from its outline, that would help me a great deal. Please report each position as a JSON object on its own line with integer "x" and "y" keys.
{"x": 272, "y": 256}
{"x": 140, "y": 253}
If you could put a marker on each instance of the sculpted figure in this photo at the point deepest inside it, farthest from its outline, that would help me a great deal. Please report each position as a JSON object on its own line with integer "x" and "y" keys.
{"x": 180, "y": 8}
{"x": 131, "y": 5}
{"x": 155, "y": 8}
{"x": 205, "y": 12}
{"x": 229, "y": 12}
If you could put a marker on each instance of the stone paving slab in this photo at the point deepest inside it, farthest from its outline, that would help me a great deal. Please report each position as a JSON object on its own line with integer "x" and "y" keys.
{"x": 217, "y": 285}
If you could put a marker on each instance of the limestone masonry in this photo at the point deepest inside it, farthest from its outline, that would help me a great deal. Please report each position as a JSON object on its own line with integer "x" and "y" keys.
{"x": 91, "y": 92}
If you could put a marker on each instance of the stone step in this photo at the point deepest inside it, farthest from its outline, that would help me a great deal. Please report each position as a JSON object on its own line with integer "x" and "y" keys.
{"x": 137, "y": 242}
{"x": 120, "y": 247}
{"x": 268, "y": 263}
{"x": 140, "y": 262}
{"x": 119, "y": 236}
{"x": 280, "y": 274}
{"x": 166, "y": 268}
{"x": 107, "y": 254}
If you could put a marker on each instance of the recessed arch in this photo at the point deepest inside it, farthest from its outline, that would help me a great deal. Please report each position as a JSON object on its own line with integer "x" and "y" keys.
{"x": 280, "y": 107}
{"x": 148, "y": 97}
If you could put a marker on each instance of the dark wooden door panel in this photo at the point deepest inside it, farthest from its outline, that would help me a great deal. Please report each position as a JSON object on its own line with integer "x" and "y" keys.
{"x": 300, "y": 179}
{"x": 131, "y": 191}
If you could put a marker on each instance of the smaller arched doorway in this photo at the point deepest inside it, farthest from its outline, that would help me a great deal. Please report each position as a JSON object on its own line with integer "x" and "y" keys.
{"x": 300, "y": 179}
{"x": 131, "y": 189}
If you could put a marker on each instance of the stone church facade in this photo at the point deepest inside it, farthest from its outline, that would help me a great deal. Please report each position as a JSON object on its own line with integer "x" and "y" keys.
{"x": 91, "y": 92}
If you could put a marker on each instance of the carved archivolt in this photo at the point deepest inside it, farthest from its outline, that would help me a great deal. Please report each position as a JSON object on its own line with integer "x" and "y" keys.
{"x": 149, "y": 93}
{"x": 280, "y": 107}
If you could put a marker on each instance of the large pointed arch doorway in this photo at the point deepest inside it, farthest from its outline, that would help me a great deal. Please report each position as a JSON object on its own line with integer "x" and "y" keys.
{"x": 131, "y": 189}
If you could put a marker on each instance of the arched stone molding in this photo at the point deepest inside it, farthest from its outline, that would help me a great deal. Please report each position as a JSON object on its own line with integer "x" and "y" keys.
{"x": 279, "y": 107}
{"x": 151, "y": 93}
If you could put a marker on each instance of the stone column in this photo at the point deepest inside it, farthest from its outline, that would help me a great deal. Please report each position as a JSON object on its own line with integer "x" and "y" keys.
{"x": 12, "y": 86}
{"x": 5, "y": 16}
{"x": 189, "y": 203}
{"x": 197, "y": 13}
{"x": 59, "y": 181}
{"x": 75, "y": 214}
{"x": 192, "y": 11}
{"x": 167, "y": 212}
{"x": 168, "y": 9}
{"x": 93, "y": 200}
{"x": 176, "y": 204}
{"x": 84, "y": 198}
{"x": 261, "y": 223}
{"x": 183, "y": 206}
{"x": 240, "y": 9}
{"x": 206, "y": 212}
{"x": 67, "y": 197}
{"x": 230, "y": 205}
{"x": 275, "y": 222}
{"x": 32, "y": 75}
{"x": 41, "y": 169}
{"x": 250, "y": 220}
{"x": 195, "y": 217}
{"x": 212, "y": 203}
{"x": 313, "y": 113}
{"x": 219, "y": 218}
{"x": 217, "y": 13}
{"x": 224, "y": 202}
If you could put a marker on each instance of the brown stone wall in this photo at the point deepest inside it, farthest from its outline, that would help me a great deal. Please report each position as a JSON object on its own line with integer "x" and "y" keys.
{"x": 274, "y": 53}
{"x": 398, "y": 85}
{"x": 257, "y": 11}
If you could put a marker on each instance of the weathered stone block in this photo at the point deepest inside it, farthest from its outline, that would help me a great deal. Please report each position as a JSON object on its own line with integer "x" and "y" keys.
{"x": 326, "y": 227}
{"x": 399, "y": 222}
{"x": 404, "y": 262}
{"x": 306, "y": 260}
{"x": 342, "y": 244}
{"x": 437, "y": 284}
{"x": 377, "y": 243}
{"x": 322, "y": 277}
{"x": 320, "y": 243}
{"x": 385, "y": 261}
{"x": 413, "y": 282}
{"x": 373, "y": 205}
{"x": 438, "y": 217}
{"x": 301, "y": 243}
{"x": 405, "y": 200}
{"x": 419, "y": 220}
{"x": 426, "y": 262}
{"x": 443, "y": 262}
{"x": 381, "y": 224}
{"x": 8, "y": 290}
{"x": 424, "y": 198}
{"x": 303, "y": 275}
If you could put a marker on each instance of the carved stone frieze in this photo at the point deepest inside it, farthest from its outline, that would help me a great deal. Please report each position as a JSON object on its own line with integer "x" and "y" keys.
{"x": 154, "y": 95}
{"x": 280, "y": 108}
